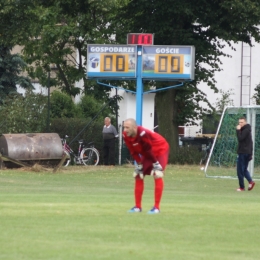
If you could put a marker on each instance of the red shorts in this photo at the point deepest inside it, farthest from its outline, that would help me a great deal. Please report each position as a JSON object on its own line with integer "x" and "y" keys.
{"x": 148, "y": 164}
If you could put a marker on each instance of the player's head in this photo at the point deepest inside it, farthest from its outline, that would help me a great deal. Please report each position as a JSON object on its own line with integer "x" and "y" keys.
{"x": 242, "y": 121}
{"x": 130, "y": 127}
{"x": 107, "y": 121}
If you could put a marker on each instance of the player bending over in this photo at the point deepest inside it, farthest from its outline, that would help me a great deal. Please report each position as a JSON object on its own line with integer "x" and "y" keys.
{"x": 150, "y": 151}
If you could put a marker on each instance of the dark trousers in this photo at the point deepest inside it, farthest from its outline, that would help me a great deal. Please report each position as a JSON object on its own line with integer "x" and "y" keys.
{"x": 242, "y": 172}
{"x": 109, "y": 152}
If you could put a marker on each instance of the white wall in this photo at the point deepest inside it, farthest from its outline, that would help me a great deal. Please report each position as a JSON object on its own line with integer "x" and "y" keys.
{"x": 37, "y": 89}
{"x": 80, "y": 83}
{"x": 128, "y": 108}
{"x": 230, "y": 77}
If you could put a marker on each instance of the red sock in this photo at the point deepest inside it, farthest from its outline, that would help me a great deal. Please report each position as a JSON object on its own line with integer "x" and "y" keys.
{"x": 139, "y": 188}
{"x": 158, "y": 190}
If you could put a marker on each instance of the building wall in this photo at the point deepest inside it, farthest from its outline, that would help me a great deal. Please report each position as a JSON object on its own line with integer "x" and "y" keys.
{"x": 39, "y": 89}
{"x": 240, "y": 74}
{"x": 127, "y": 108}
{"x": 230, "y": 77}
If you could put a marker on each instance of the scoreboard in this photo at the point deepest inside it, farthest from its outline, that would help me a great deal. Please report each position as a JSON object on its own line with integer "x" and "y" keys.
{"x": 111, "y": 61}
{"x": 158, "y": 62}
{"x": 140, "y": 60}
{"x": 168, "y": 62}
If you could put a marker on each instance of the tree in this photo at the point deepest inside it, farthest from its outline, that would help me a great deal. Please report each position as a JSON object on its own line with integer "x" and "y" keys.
{"x": 62, "y": 106}
{"x": 16, "y": 20}
{"x": 91, "y": 108}
{"x": 58, "y": 35}
{"x": 224, "y": 100}
{"x": 209, "y": 26}
{"x": 11, "y": 65}
{"x": 256, "y": 96}
{"x": 210, "y": 121}
{"x": 26, "y": 114}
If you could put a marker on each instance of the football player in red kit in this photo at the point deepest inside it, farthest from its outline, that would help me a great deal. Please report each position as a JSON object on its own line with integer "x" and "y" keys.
{"x": 150, "y": 152}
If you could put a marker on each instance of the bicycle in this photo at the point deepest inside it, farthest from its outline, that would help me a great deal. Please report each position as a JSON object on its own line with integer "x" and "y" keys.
{"x": 87, "y": 153}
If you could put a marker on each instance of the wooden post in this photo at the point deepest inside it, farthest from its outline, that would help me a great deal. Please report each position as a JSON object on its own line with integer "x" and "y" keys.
{"x": 1, "y": 162}
{"x": 7, "y": 158}
{"x": 64, "y": 156}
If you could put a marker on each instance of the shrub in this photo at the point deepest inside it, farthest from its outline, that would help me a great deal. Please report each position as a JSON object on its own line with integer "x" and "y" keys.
{"x": 62, "y": 105}
{"x": 24, "y": 114}
{"x": 79, "y": 128}
{"x": 188, "y": 155}
{"x": 90, "y": 108}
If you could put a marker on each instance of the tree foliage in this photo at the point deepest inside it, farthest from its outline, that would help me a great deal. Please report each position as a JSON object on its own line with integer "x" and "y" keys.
{"x": 28, "y": 113}
{"x": 209, "y": 26}
{"x": 256, "y": 96}
{"x": 57, "y": 35}
{"x": 62, "y": 106}
{"x": 224, "y": 100}
{"x": 24, "y": 114}
{"x": 90, "y": 108}
{"x": 52, "y": 32}
{"x": 11, "y": 65}
{"x": 210, "y": 121}
{"x": 16, "y": 20}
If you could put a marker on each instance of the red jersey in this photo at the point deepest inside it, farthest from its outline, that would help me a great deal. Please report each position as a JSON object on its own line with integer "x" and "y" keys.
{"x": 146, "y": 143}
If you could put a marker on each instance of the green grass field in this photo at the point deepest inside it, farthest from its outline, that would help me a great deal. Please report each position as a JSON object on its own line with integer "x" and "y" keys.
{"x": 81, "y": 213}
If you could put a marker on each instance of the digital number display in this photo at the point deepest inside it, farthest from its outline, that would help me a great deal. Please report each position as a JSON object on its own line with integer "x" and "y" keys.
{"x": 168, "y": 62}
{"x": 140, "y": 38}
{"x": 114, "y": 63}
{"x": 111, "y": 61}
{"x": 157, "y": 62}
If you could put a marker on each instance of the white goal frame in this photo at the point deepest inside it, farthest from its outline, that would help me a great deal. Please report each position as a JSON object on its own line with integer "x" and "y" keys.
{"x": 250, "y": 112}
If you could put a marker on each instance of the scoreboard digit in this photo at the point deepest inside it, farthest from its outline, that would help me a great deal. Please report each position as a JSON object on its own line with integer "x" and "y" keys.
{"x": 168, "y": 62}
{"x": 140, "y": 38}
{"x": 114, "y": 63}
{"x": 111, "y": 61}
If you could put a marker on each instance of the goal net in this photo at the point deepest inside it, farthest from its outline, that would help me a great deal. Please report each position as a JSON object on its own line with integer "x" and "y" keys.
{"x": 222, "y": 157}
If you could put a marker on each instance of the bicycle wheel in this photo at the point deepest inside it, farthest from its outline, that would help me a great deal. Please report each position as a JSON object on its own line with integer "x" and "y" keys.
{"x": 96, "y": 151}
{"x": 67, "y": 160}
{"x": 89, "y": 156}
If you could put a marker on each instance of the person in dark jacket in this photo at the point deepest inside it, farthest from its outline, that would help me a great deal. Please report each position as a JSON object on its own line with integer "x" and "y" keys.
{"x": 109, "y": 136}
{"x": 245, "y": 153}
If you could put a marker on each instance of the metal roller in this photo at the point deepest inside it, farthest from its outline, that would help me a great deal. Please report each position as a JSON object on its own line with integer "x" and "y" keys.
{"x": 42, "y": 148}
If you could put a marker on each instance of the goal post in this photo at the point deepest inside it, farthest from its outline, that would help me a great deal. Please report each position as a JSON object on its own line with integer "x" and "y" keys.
{"x": 222, "y": 158}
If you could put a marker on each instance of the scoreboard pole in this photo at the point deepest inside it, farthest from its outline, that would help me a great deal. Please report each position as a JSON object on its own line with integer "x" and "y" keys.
{"x": 164, "y": 63}
{"x": 139, "y": 87}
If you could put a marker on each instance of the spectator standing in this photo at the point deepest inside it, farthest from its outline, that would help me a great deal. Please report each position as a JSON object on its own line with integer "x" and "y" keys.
{"x": 109, "y": 136}
{"x": 245, "y": 152}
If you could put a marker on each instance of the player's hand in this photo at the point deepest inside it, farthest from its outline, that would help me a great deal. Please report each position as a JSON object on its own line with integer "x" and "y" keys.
{"x": 157, "y": 166}
{"x": 138, "y": 171}
{"x": 157, "y": 170}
